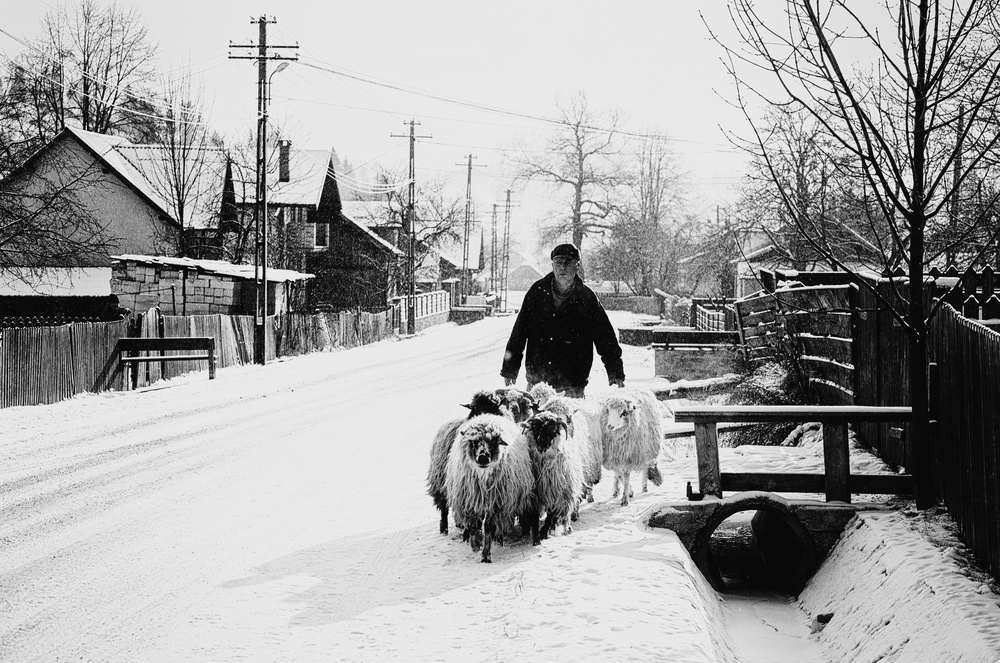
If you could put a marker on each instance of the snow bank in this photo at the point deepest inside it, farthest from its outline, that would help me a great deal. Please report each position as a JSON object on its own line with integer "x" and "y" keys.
{"x": 894, "y": 596}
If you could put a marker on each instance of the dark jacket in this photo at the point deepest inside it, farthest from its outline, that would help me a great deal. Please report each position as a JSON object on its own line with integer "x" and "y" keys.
{"x": 561, "y": 341}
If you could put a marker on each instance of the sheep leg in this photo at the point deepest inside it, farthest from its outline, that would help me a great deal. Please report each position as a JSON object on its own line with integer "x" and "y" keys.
{"x": 550, "y": 522}
{"x": 441, "y": 502}
{"x": 489, "y": 530}
{"x": 617, "y": 485}
{"x": 529, "y": 523}
{"x": 626, "y": 489}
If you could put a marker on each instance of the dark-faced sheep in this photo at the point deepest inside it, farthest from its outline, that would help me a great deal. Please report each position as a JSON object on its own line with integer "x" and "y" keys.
{"x": 558, "y": 460}
{"x": 583, "y": 419}
{"x": 490, "y": 482}
{"x": 632, "y": 425}
{"x": 513, "y": 403}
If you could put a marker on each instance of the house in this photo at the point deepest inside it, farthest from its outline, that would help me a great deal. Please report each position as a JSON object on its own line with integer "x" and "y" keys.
{"x": 186, "y": 286}
{"x": 522, "y": 271}
{"x": 441, "y": 255}
{"x": 118, "y": 185}
{"x": 354, "y": 267}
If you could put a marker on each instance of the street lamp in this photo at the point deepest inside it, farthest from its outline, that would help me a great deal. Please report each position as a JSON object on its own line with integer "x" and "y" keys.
{"x": 260, "y": 255}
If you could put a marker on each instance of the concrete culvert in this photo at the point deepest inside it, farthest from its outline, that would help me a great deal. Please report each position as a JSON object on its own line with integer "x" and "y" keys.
{"x": 777, "y": 538}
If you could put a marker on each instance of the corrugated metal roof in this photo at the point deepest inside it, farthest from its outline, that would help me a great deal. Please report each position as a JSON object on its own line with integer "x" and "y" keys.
{"x": 220, "y": 267}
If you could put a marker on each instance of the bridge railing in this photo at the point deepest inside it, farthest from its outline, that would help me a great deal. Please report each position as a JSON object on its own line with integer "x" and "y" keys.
{"x": 836, "y": 482}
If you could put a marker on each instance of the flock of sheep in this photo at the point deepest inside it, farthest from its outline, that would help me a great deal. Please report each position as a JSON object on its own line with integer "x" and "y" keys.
{"x": 522, "y": 462}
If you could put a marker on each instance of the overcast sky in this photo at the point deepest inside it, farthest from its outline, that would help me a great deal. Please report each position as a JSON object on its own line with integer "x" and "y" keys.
{"x": 651, "y": 60}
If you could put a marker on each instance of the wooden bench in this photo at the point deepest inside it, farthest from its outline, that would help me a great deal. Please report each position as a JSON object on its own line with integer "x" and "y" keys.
{"x": 130, "y": 347}
{"x": 837, "y": 481}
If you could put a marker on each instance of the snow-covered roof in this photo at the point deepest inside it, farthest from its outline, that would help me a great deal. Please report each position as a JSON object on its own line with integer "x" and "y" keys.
{"x": 220, "y": 267}
{"x": 307, "y": 173}
{"x": 145, "y": 167}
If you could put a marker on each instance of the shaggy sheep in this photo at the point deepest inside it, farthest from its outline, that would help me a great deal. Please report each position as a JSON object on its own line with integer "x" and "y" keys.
{"x": 558, "y": 460}
{"x": 490, "y": 481}
{"x": 632, "y": 425}
{"x": 509, "y": 402}
{"x": 583, "y": 418}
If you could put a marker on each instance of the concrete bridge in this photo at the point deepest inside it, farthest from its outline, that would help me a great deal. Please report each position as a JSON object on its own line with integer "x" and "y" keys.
{"x": 794, "y": 536}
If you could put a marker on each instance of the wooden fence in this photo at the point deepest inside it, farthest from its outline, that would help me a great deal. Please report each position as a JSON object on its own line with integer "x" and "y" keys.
{"x": 713, "y": 314}
{"x": 965, "y": 393}
{"x": 965, "y": 387}
{"x": 40, "y": 365}
{"x": 814, "y": 325}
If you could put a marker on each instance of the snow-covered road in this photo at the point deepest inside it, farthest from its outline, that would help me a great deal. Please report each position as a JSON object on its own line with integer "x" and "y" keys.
{"x": 280, "y": 513}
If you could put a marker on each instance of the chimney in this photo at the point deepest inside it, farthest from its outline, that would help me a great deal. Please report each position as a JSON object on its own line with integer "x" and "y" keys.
{"x": 284, "y": 147}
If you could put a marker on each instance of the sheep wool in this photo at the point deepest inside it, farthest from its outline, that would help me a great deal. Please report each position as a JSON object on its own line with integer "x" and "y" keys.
{"x": 490, "y": 497}
{"x": 482, "y": 402}
{"x": 632, "y": 426}
{"x": 583, "y": 417}
{"x": 558, "y": 461}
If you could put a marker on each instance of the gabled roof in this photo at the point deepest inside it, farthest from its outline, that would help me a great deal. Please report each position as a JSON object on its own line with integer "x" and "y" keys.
{"x": 220, "y": 267}
{"x": 307, "y": 174}
{"x": 146, "y": 169}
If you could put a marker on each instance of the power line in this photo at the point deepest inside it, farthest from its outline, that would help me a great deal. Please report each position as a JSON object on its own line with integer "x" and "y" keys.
{"x": 483, "y": 107}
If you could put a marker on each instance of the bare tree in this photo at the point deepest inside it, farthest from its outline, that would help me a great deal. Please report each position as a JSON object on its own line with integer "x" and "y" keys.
{"x": 578, "y": 160}
{"x": 184, "y": 165}
{"x": 45, "y": 223}
{"x": 650, "y": 233}
{"x": 934, "y": 71}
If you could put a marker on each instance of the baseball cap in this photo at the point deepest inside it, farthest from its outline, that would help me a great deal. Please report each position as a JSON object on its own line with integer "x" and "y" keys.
{"x": 565, "y": 250}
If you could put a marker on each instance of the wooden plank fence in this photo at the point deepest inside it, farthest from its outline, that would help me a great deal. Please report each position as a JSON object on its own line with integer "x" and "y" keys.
{"x": 40, "y": 365}
{"x": 812, "y": 325}
{"x": 965, "y": 388}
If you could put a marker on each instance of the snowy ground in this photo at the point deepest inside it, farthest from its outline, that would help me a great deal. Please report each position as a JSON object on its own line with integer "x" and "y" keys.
{"x": 279, "y": 513}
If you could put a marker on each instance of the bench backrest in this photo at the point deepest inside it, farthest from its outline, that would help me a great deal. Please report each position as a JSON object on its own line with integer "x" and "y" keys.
{"x": 147, "y": 344}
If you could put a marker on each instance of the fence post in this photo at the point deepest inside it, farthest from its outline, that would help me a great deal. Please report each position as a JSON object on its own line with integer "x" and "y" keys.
{"x": 706, "y": 439}
{"x": 836, "y": 462}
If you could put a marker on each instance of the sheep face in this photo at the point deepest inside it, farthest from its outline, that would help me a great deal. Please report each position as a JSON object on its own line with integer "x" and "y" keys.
{"x": 486, "y": 402}
{"x": 483, "y": 446}
{"x": 545, "y": 430}
{"x": 520, "y": 405}
{"x": 619, "y": 413}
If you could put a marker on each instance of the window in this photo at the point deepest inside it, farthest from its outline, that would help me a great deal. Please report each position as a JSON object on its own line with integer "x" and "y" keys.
{"x": 321, "y": 235}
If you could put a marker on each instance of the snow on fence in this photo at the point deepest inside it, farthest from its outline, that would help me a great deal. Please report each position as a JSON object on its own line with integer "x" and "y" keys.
{"x": 40, "y": 365}
{"x": 813, "y": 324}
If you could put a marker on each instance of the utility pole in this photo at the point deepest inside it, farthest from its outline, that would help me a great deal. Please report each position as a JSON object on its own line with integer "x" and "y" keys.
{"x": 468, "y": 224}
{"x": 493, "y": 252}
{"x": 260, "y": 209}
{"x": 505, "y": 255}
{"x": 411, "y": 234}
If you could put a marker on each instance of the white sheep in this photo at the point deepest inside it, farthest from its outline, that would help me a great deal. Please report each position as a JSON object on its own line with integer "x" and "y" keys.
{"x": 558, "y": 460}
{"x": 632, "y": 425}
{"x": 512, "y": 403}
{"x": 490, "y": 482}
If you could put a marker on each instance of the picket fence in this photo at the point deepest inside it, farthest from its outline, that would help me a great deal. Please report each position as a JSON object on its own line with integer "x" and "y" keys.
{"x": 42, "y": 365}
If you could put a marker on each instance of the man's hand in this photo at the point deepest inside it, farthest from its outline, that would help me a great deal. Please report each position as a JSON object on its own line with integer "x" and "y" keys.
{"x": 616, "y": 382}
{"x": 508, "y": 382}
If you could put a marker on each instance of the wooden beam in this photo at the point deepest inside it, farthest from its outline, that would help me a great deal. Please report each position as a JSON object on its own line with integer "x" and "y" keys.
{"x": 836, "y": 461}
{"x": 787, "y": 482}
{"x": 803, "y": 413}
{"x": 706, "y": 440}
